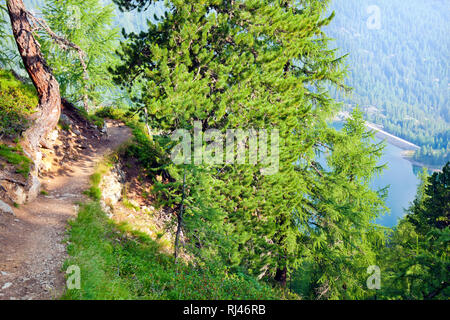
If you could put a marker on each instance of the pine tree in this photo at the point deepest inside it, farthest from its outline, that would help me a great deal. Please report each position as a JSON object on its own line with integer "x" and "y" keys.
{"x": 416, "y": 259}
{"x": 261, "y": 65}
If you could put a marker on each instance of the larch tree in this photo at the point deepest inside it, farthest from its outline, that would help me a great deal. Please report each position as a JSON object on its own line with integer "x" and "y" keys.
{"x": 79, "y": 40}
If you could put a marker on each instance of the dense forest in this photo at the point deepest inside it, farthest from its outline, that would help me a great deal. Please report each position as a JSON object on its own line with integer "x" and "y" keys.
{"x": 399, "y": 70}
{"x": 268, "y": 223}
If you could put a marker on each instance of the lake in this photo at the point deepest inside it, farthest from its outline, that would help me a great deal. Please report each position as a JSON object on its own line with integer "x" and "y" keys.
{"x": 400, "y": 175}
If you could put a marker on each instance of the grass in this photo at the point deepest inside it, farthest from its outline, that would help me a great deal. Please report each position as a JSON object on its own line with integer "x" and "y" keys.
{"x": 94, "y": 192}
{"x": 119, "y": 263}
{"x": 17, "y": 103}
{"x": 16, "y": 157}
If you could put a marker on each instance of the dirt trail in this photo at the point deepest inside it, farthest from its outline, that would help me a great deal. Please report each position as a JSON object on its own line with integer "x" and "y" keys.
{"x": 31, "y": 248}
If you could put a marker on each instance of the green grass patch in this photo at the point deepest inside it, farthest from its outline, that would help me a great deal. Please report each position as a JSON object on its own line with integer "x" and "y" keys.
{"x": 111, "y": 113}
{"x": 16, "y": 157}
{"x": 17, "y": 102}
{"x": 117, "y": 263}
{"x": 94, "y": 192}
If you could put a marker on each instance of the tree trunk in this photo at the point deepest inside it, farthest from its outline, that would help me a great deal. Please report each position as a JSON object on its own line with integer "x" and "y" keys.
{"x": 281, "y": 276}
{"x": 180, "y": 219}
{"x": 49, "y": 107}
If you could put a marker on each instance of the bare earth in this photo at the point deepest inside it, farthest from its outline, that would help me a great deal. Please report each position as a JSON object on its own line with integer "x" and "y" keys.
{"x": 31, "y": 243}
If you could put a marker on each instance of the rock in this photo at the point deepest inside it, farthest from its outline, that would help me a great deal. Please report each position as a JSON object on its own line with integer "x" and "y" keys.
{"x": 76, "y": 132}
{"x": 6, "y": 285}
{"x": 34, "y": 186}
{"x": 104, "y": 130}
{"x": 37, "y": 159}
{"x": 65, "y": 120}
{"x": 21, "y": 194}
{"x": 50, "y": 140}
{"x": 18, "y": 195}
{"x": 111, "y": 186}
{"x": 5, "y": 209}
{"x": 46, "y": 165}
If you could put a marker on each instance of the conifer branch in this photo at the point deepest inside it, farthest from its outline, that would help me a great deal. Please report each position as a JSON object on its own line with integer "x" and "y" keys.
{"x": 63, "y": 43}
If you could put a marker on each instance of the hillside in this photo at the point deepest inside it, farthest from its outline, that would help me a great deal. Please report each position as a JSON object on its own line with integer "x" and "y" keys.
{"x": 400, "y": 72}
{"x": 202, "y": 157}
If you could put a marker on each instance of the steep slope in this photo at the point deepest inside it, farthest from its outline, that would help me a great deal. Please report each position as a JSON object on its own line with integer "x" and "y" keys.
{"x": 399, "y": 68}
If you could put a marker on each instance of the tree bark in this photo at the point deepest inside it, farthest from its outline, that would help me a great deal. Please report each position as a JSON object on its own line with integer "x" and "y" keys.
{"x": 281, "y": 277}
{"x": 49, "y": 107}
{"x": 180, "y": 219}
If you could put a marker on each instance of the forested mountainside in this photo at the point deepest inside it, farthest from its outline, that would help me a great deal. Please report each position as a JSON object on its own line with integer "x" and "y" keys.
{"x": 122, "y": 134}
{"x": 399, "y": 71}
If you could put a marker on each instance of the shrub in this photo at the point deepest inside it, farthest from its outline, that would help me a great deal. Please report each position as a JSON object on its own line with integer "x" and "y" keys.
{"x": 110, "y": 113}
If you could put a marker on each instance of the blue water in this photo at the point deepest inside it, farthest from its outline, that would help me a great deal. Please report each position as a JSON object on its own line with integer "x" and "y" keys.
{"x": 400, "y": 176}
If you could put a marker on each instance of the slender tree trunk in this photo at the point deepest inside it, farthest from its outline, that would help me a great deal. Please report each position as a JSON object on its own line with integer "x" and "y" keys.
{"x": 180, "y": 219}
{"x": 279, "y": 239}
{"x": 49, "y": 107}
{"x": 146, "y": 122}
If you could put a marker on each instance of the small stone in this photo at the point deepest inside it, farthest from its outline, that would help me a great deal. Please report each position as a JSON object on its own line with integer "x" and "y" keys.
{"x": 6, "y": 285}
{"x": 65, "y": 120}
{"x": 5, "y": 209}
{"x": 3, "y": 273}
